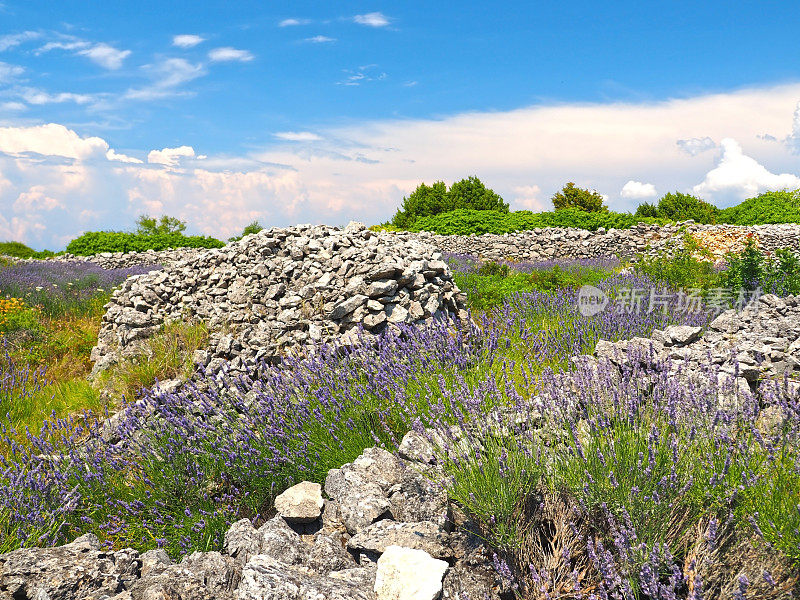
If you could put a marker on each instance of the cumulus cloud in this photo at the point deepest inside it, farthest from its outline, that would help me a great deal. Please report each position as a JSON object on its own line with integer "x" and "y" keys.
{"x": 636, "y": 190}
{"x": 527, "y": 197}
{"x": 695, "y": 146}
{"x": 227, "y": 54}
{"x": 373, "y": 19}
{"x": 36, "y": 200}
{"x": 49, "y": 140}
{"x": 170, "y": 157}
{"x": 187, "y": 40}
{"x": 320, "y": 39}
{"x": 297, "y": 136}
{"x": 106, "y": 56}
{"x": 112, "y": 155}
{"x": 293, "y": 22}
{"x": 738, "y": 176}
{"x": 362, "y": 171}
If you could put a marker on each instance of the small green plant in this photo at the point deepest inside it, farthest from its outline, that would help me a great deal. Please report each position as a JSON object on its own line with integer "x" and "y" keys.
{"x": 494, "y": 268}
{"x": 571, "y": 196}
{"x": 251, "y": 228}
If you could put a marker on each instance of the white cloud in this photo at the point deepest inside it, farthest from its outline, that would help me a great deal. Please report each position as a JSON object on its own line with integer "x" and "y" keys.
{"x": 9, "y": 72}
{"x": 170, "y": 156}
{"x": 168, "y": 76}
{"x": 101, "y": 54}
{"x": 362, "y": 74}
{"x": 106, "y": 56}
{"x": 187, "y": 40}
{"x": 34, "y": 200}
{"x": 297, "y": 136}
{"x": 636, "y": 190}
{"x": 228, "y": 54}
{"x": 293, "y": 22}
{"x": 695, "y": 146}
{"x": 112, "y": 155}
{"x": 49, "y": 140}
{"x": 15, "y": 39}
{"x": 737, "y": 176}
{"x": 39, "y": 97}
{"x": 373, "y": 19}
{"x": 12, "y": 106}
{"x": 320, "y": 39}
{"x": 328, "y": 181}
{"x": 527, "y": 197}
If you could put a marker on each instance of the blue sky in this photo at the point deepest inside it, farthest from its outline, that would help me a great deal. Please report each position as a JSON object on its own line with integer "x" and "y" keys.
{"x": 288, "y": 112}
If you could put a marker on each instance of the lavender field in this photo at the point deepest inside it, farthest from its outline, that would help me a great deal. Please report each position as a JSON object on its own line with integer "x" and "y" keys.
{"x": 649, "y": 488}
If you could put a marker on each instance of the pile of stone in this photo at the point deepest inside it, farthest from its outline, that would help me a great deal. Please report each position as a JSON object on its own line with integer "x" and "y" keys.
{"x": 384, "y": 532}
{"x": 757, "y": 343}
{"x": 281, "y": 291}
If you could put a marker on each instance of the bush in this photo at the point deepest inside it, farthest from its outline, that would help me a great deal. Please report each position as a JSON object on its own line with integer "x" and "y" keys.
{"x": 680, "y": 207}
{"x": 751, "y": 269}
{"x": 146, "y": 225}
{"x": 467, "y": 222}
{"x": 20, "y": 250}
{"x": 253, "y": 227}
{"x": 769, "y": 207}
{"x": 94, "y": 242}
{"x": 432, "y": 200}
{"x": 571, "y": 196}
{"x": 683, "y": 270}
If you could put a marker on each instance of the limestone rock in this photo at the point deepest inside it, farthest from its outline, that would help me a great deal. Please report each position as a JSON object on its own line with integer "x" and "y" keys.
{"x": 407, "y": 574}
{"x": 301, "y": 503}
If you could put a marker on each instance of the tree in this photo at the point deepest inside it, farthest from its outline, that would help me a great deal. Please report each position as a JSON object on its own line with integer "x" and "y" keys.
{"x": 436, "y": 199}
{"x": 471, "y": 193}
{"x": 572, "y": 196}
{"x": 680, "y": 207}
{"x": 422, "y": 202}
{"x": 146, "y": 225}
{"x": 253, "y": 227}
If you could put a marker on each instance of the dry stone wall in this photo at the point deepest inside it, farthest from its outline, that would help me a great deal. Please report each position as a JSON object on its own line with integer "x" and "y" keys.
{"x": 551, "y": 243}
{"x": 283, "y": 290}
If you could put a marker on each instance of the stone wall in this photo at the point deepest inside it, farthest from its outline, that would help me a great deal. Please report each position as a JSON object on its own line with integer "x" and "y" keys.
{"x": 281, "y": 290}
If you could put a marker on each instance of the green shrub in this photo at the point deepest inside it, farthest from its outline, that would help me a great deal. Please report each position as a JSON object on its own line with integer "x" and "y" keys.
{"x": 94, "y": 242}
{"x": 680, "y": 207}
{"x": 769, "y": 207}
{"x": 751, "y": 269}
{"x": 467, "y": 222}
{"x": 253, "y": 227}
{"x": 427, "y": 201}
{"x": 683, "y": 270}
{"x": 20, "y": 250}
{"x": 571, "y": 196}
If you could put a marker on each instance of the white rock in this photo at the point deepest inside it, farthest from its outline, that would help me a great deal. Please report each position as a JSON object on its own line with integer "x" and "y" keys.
{"x": 406, "y": 574}
{"x": 301, "y": 503}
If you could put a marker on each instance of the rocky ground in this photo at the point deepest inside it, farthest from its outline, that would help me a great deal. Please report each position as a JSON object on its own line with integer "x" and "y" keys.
{"x": 385, "y": 530}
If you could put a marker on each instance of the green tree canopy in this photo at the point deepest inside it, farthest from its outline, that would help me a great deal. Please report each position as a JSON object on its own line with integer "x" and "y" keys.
{"x": 253, "y": 227}
{"x": 572, "y": 196}
{"x": 146, "y": 225}
{"x": 680, "y": 207}
{"x": 426, "y": 201}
